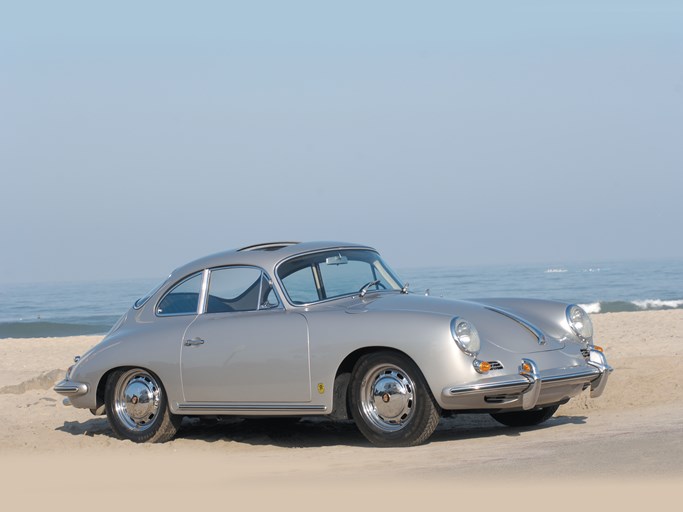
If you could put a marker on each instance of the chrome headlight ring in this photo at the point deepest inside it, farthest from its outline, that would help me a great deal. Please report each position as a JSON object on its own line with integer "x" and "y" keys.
{"x": 580, "y": 322}
{"x": 465, "y": 335}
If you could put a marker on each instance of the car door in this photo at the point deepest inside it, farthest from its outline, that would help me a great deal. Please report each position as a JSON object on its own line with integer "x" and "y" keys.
{"x": 245, "y": 347}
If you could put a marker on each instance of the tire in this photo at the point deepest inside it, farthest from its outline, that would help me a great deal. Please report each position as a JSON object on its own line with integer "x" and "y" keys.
{"x": 391, "y": 402}
{"x": 137, "y": 407}
{"x": 525, "y": 418}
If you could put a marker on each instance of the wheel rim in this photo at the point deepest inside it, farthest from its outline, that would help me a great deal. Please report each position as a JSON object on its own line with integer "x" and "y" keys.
{"x": 136, "y": 400}
{"x": 387, "y": 397}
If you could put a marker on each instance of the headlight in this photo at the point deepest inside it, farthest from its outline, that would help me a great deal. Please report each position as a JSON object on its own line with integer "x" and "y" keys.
{"x": 465, "y": 335}
{"x": 580, "y": 322}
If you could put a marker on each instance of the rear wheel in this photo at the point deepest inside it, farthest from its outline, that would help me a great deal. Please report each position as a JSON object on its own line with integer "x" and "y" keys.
{"x": 391, "y": 402}
{"x": 137, "y": 407}
{"x": 525, "y": 418}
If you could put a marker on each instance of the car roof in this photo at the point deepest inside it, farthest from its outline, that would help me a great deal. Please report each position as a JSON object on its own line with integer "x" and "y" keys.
{"x": 265, "y": 255}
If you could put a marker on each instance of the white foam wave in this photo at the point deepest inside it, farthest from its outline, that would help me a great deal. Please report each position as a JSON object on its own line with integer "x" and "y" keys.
{"x": 592, "y": 308}
{"x": 658, "y": 304}
{"x": 556, "y": 271}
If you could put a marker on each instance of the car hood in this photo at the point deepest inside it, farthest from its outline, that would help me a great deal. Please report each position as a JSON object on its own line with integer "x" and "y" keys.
{"x": 513, "y": 325}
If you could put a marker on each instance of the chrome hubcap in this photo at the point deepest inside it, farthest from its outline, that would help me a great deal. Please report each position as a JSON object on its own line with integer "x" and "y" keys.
{"x": 137, "y": 397}
{"x": 388, "y": 399}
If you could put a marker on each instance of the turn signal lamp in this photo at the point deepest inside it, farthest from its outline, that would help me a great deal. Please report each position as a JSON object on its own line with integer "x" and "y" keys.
{"x": 526, "y": 367}
{"x": 482, "y": 366}
{"x": 599, "y": 349}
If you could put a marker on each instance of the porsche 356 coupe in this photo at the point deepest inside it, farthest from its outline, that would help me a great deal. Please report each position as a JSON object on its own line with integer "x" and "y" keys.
{"x": 300, "y": 329}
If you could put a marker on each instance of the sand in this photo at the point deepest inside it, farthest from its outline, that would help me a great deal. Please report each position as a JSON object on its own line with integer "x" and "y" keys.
{"x": 626, "y": 446}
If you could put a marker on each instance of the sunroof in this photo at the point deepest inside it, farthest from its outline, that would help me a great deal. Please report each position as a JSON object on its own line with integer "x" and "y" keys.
{"x": 272, "y": 246}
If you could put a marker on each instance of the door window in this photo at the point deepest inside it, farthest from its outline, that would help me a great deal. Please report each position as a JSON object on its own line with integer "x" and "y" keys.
{"x": 238, "y": 289}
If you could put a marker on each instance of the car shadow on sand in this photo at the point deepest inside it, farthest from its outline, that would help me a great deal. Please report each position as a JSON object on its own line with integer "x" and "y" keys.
{"x": 90, "y": 428}
{"x": 316, "y": 432}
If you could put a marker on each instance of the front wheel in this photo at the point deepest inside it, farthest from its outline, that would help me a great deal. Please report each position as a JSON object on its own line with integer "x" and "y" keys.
{"x": 391, "y": 402}
{"x": 525, "y": 418}
{"x": 137, "y": 407}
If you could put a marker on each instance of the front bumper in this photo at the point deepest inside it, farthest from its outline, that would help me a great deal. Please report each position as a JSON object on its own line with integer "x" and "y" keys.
{"x": 531, "y": 387}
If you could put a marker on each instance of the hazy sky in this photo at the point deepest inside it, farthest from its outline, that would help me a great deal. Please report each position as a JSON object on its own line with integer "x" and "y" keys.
{"x": 135, "y": 136}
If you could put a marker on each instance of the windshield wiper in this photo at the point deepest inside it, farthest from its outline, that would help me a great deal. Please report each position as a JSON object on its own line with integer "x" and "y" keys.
{"x": 366, "y": 286}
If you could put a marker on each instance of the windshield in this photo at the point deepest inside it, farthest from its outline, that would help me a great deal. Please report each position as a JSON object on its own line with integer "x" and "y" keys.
{"x": 330, "y": 274}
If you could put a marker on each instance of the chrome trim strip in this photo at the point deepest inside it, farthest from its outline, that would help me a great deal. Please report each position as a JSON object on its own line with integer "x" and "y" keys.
{"x": 490, "y": 386}
{"x": 569, "y": 376}
{"x": 251, "y": 407}
{"x": 524, "y": 323}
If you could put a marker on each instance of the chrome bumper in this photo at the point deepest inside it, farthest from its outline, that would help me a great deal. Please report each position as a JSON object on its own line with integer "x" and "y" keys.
{"x": 70, "y": 388}
{"x": 531, "y": 382}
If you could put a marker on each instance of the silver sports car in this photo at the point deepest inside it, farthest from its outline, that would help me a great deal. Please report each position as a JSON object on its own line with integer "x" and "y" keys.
{"x": 300, "y": 329}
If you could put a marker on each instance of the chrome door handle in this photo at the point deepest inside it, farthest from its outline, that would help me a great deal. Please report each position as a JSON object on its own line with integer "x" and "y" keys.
{"x": 196, "y": 341}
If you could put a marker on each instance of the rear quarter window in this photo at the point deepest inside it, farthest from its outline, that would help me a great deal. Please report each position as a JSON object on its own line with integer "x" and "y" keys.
{"x": 182, "y": 299}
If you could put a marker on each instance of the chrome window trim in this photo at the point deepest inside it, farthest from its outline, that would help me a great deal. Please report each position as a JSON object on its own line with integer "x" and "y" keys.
{"x": 328, "y": 249}
{"x": 258, "y": 306}
{"x": 204, "y": 293}
{"x": 173, "y": 287}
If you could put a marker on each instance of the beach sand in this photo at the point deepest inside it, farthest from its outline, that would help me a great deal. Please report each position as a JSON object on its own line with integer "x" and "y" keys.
{"x": 626, "y": 446}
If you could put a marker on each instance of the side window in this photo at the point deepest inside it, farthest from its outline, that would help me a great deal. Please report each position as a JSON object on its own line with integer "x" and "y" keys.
{"x": 234, "y": 289}
{"x": 183, "y": 298}
{"x": 301, "y": 287}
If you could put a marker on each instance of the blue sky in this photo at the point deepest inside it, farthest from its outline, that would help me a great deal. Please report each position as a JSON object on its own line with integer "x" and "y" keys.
{"x": 136, "y": 136}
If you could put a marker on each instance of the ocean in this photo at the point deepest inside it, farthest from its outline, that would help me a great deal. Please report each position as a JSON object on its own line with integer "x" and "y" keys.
{"x": 75, "y": 308}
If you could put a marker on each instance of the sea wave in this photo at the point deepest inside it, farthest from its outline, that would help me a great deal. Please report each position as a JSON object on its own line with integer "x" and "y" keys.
{"x": 619, "y": 306}
{"x": 45, "y": 329}
{"x": 592, "y": 308}
{"x": 659, "y": 304}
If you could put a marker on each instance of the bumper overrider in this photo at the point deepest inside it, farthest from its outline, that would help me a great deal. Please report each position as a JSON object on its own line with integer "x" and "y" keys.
{"x": 531, "y": 387}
